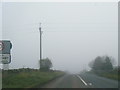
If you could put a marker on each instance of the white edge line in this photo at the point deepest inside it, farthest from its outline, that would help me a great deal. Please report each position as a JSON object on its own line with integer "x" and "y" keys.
{"x": 81, "y": 80}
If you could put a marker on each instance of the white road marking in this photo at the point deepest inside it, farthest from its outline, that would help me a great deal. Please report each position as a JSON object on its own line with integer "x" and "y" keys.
{"x": 90, "y": 84}
{"x": 81, "y": 80}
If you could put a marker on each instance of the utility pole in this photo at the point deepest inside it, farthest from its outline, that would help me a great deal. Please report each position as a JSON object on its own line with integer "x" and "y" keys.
{"x": 40, "y": 44}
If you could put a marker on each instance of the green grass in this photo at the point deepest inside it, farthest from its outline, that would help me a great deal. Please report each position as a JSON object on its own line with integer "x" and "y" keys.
{"x": 112, "y": 75}
{"x": 28, "y": 79}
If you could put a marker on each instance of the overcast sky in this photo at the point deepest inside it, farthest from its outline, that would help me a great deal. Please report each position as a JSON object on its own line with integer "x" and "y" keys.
{"x": 73, "y": 33}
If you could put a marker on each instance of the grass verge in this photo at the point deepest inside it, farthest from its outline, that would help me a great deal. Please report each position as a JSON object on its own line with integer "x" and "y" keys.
{"x": 28, "y": 79}
{"x": 110, "y": 75}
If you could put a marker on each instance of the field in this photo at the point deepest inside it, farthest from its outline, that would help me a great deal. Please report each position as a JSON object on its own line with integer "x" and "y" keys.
{"x": 27, "y": 78}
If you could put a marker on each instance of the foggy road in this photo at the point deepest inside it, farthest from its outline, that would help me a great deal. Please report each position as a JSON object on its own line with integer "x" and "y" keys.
{"x": 82, "y": 81}
{"x": 67, "y": 81}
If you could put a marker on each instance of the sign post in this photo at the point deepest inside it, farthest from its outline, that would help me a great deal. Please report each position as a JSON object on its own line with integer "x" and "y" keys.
{"x": 5, "y": 55}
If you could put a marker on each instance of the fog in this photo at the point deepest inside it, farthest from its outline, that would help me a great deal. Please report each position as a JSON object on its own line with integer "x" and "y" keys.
{"x": 73, "y": 33}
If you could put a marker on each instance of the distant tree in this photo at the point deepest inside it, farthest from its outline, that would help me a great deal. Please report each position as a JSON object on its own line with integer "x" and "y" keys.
{"x": 101, "y": 63}
{"x": 108, "y": 64}
{"x": 97, "y": 65}
{"x": 45, "y": 64}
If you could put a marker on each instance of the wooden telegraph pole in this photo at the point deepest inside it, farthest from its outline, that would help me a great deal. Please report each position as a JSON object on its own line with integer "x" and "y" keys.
{"x": 40, "y": 43}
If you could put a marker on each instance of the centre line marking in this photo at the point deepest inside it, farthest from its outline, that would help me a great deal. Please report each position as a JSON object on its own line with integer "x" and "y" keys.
{"x": 81, "y": 80}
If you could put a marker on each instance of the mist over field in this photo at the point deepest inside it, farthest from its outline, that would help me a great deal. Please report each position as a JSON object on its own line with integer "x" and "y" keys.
{"x": 73, "y": 35}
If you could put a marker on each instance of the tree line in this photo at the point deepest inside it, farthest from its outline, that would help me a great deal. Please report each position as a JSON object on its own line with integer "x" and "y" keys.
{"x": 103, "y": 64}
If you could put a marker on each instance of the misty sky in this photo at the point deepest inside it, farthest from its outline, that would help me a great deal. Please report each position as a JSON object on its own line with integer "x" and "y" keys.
{"x": 73, "y": 33}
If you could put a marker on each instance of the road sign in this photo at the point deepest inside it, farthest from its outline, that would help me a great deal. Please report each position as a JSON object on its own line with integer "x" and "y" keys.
{"x": 5, "y": 58}
{"x": 5, "y": 47}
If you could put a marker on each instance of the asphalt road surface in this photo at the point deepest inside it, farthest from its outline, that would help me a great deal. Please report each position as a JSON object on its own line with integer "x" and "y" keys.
{"x": 84, "y": 80}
